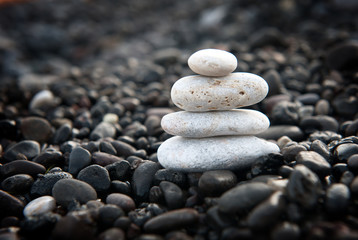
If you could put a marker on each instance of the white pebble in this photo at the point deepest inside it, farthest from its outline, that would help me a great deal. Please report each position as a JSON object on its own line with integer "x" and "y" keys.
{"x": 44, "y": 98}
{"x": 218, "y": 123}
{"x": 110, "y": 118}
{"x": 212, "y": 62}
{"x": 213, "y": 153}
{"x": 199, "y": 94}
{"x": 40, "y": 206}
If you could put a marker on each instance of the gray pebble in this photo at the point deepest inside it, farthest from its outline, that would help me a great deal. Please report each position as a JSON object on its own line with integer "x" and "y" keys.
{"x": 275, "y": 132}
{"x": 112, "y": 234}
{"x": 107, "y": 147}
{"x": 108, "y": 214}
{"x": 337, "y": 199}
{"x": 44, "y": 183}
{"x": 321, "y": 148}
{"x": 178, "y": 178}
{"x": 66, "y": 191}
{"x": 36, "y": 128}
{"x": 62, "y": 134}
{"x": 121, "y": 200}
{"x": 103, "y": 159}
{"x": 286, "y": 113}
{"x": 319, "y": 123}
{"x": 79, "y": 158}
{"x": 118, "y": 170}
{"x": 103, "y": 130}
{"x": 123, "y": 149}
{"x": 291, "y": 149}
{"x": 344, "y": 151}
{"x": 96, "y": 176}
{"x": 322, "y": 107}
{"x": 142, "y": 179}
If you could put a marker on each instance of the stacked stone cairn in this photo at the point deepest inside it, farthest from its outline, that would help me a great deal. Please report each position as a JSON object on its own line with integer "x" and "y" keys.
{"x": 211, "y": 134}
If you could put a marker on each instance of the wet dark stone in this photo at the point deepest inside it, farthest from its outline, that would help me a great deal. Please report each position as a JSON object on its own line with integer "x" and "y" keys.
{"x": 28, "y": 148}
{"x": 178, "y": 178}
{"x": 176, "y": 235}
{"x": 338, "y": 169}
{"x": 347, "y": 178}
{"x": 103, "y": 130}
{"x": 267, "y": 37}
{"x": 344, "y": 151}
{"x": 321, "y": 148}
{"x": 354, "y": 187}
{"x": 79, "y": 158}
{"x": 214, "y": 183}
{"x": 267, "y": 213}
{"x": 123, "y": 149}
{"x": 40, "y": 226}
{"x": 273, "y": 79}
{"x": 267, "y": 164}
{"x": 21, "y": 167}
{"x": 175, "y": 219}
{"x": 72, "y": 228}
{"x": 96, "y": 176}
{"x": 68, "y": 146}
{"x": 352, "y": 129}
{"x": 285, "y": 171}
{"x": 62, "y": 134}
{"x": 10, "y": 205}
{"x": 44, "y": 183}
{"x": 50, "y": 157}
{"x": 353, "y": 163}
{"x": 118, "y": 170}
{"x": 275, "y": 132}
{"x": 319, "y": 123}
{"x": 103, "y": 159}
{"x": 314, "y": 162}
{"x": 36, "y": 128}
{"x": 345, "y": 105}
{"x": 108, "y": 214}
{"x": 121, "y": 187}
{"x": 304, "y": 187}
{"x": 324, "y": 136}
{"x": 112, "y": 234}
{"x": 121, "y": 200}
{"x": 122, "y": 222}
{"x": 343, "y": 56}
{"x": 337, "y": 199}
{"x": 308, "y": 98}
{"x": 291, "y": 150}
{"x": 66, "y": 191}
{"x": 142, "y": 179}
{"x": 286, "y": 113}
{"x": 155, "y": 194}
{"x": 233, "y": 233}
{"x": 19, "y": 183}
{"x": 286, "y": 230}
{"x": 173, "y": 195}
{"x": 244, "y": 197}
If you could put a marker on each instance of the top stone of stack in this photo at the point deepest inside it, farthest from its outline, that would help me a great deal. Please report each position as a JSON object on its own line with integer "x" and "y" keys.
{"x": 212, "y": 62}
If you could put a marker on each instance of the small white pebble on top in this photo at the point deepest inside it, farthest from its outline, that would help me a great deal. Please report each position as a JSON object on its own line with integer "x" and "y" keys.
{"x": 212, "y": 62}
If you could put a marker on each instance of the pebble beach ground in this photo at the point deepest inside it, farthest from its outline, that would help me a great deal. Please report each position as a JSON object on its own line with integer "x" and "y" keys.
{"x": 84, "y": 85}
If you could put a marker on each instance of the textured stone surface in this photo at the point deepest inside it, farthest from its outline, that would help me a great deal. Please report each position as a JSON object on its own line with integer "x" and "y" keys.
{"x": 218, "y": 123}
{"x": 192, "y": 155}
{"x": 200, "y": 94}
{"x": 212, "y": 62}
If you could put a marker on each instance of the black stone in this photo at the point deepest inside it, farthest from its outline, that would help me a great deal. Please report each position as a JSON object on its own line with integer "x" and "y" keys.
{"x": 214, "y": 183}
{"x": 28, "y": 148}
{"x": 142, "y": 179}
{"x": 96, "y": 176}
{"x": 173, "y": 195}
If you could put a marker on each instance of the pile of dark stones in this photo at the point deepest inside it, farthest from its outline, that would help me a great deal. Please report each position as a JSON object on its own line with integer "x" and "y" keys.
{"x": 84, "y": 85}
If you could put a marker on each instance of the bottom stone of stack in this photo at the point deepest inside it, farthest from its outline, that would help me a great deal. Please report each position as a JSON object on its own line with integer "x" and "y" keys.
{"x": 213, "y": 153}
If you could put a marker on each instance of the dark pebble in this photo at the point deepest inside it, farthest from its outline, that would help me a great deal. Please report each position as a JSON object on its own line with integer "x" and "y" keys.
{"x": 322, "y": 107}
{"x": 10, "y": 221}
{"x": 314, "y": 162}
{"x": 324, "y": 136}
{"x": 291, "y": 149}
{"x": 353, "y": 163}
{"x": 62, "y": 134}
{"x": 286, "y": 113}
{"x": 177, "y": 235}
{"x": 352, "y": 129}
{"x": 8, "y": 129}
{"x": 321, "y": 148}
{"x": 73, "y": 228}
{"x": 49, "y": 158}
{"x": 10, "y": 205}
{"x": 286, "y": 231}
{"x": 285, "y": 171}
{"x": 267, "y": 213}
{"x": 308, "y": 98}
{"x": 96, "y": 176}
{"x": 22, "y": 167}
{"x": 122, "y": 222}
{"x": 304, "y": 187}
{"x": 139, "y": 216}
{"x": 40, "y": 226}
{"x": 112, "y": 234}
{"x": 121, "y": 200}
{"x": 79, "y": 158}
{"x": 267, "y": 165}
{"x": 103, "y": 130}
{"x": 344, "y": 151}
{"x": 214, "y": 183}
{"x": 217, "y": 220}
{"x": 68, "y": 146}
{"x": 44, "y": 183}
{"x": 108, "y": 214}
{"x": 19, "y": 183}
{"x": 178, "y": 178}
{"x": 142, "y": 179}
{"x": 345, "y": 105}
{"x": 338, "y": 169}
{"x": 155, "y": 194}
{"x": 244, "y": 197}
{"x": 107, "y": 147}
{"x": 347, "y": 178}
{"x": 342, "y": 56}
{"x": 319, "y": 123}
{"x": 66, "y": 191}
{"x": 337, "y": 199}
{"x": 28, "y": 148}
{"x": 275, "y": 132}
{"x": 123, "y": 149}
{"x": 36, "y": 128}
{"x": 121, "y": 187}
{"x": 271, "y": 102}
{"x": 119, "y": 170}
{"x": 354, "y": 187}
{"x": 103, "y": 159}
{"x": 175, "y": 219}
{"x": 173, "y": 195}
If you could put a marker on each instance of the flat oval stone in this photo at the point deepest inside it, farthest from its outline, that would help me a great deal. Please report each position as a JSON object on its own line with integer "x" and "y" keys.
{"x": 218, "y": 123}
{"x": 212, "y": 62}
{"x": 213, "y": 153}
{"x": 40, "y": 206}
{"x": 10, "y": 205}
{"x": 201, "y": 94}
{"x": 28, "y": 148}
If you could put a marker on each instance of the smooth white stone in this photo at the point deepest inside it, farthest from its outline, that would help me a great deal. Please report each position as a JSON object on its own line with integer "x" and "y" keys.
{"x": 199, "y": 94}
{"x": 213, "y": 153}
{"x": 39, "y": 206}
{"x": 218, "y": 123}
{"x": 212, "y": 62}
{"x": 41, "y": 99}
{"x": 110, "y": 118}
